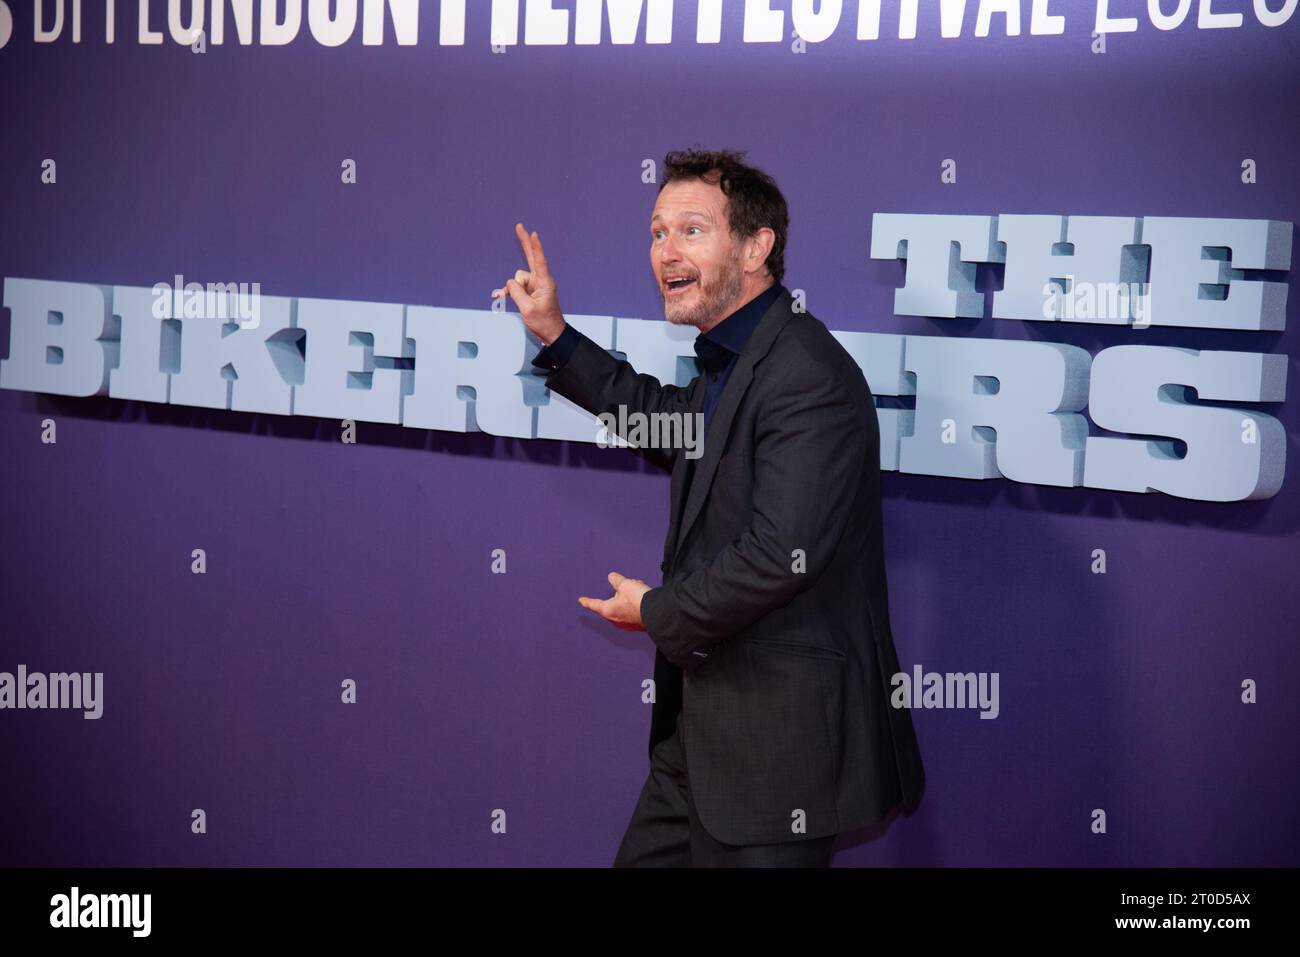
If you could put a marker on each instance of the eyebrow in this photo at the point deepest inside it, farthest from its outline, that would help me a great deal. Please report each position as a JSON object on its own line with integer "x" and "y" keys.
{"x": 686, "y": 213}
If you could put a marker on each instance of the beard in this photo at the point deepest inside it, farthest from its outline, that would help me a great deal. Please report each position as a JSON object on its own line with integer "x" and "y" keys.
{"x": 707, "y": 299}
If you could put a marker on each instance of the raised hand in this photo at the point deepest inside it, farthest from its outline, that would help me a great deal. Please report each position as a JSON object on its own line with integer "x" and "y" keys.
{"x": 534, "y": 290}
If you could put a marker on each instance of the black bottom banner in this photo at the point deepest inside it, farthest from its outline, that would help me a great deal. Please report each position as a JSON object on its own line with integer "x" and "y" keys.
{"x": 243, "y": 905}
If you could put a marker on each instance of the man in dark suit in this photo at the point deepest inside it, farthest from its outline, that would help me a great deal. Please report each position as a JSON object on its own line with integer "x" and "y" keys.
{"x": 771, "y": 731}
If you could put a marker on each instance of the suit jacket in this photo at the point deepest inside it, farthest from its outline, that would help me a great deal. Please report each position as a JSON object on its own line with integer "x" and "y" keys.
{"x": 772, "y": 623}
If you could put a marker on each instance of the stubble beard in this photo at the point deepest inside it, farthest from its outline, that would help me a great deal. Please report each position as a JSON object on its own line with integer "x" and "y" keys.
{"x": 712, "y": 299}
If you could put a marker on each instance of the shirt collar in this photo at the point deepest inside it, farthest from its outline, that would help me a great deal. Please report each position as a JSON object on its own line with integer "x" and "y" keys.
{"x": 733, "y": 332}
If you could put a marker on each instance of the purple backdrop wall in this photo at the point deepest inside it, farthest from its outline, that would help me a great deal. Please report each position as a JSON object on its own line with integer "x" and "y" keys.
{"x": 481, "y": 691}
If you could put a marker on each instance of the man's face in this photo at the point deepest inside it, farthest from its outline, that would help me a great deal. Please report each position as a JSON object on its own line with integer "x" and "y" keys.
{"x": 690, "y": 239}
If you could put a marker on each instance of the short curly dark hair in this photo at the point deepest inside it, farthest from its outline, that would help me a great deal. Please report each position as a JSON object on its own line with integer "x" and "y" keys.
{"x": 753, "y": 199}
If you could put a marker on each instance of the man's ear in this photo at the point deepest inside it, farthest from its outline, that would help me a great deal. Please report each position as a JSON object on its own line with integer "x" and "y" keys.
{"x": 757, "y": 248}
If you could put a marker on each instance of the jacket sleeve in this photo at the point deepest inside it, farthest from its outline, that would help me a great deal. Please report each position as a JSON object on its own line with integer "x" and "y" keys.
{"x": 557, "y": 353}
{"x": 809, "y": 449}
{"x": 596, "y": 381}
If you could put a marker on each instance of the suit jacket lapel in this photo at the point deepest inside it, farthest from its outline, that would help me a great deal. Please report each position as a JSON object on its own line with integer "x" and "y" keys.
{"x": 681, "y": 481}
{"x": 715, "y": 439}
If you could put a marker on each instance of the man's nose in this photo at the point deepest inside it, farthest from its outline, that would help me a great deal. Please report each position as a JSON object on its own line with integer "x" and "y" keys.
{"x": 668, "y": 251}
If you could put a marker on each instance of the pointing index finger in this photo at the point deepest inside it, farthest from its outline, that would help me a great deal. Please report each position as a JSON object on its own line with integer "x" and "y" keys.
{"x": 538, "y": 262}
{"x": 532, "y": 244}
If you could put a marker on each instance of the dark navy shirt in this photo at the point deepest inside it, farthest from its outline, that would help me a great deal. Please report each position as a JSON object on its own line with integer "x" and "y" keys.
{"x": 716, "y": 350}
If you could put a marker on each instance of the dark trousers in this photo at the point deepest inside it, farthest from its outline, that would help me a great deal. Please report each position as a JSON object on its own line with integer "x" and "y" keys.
{"x": 665, "y": 830}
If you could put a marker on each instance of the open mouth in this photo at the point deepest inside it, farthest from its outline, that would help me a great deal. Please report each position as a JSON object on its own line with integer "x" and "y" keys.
{"x": 674, "y": 286}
